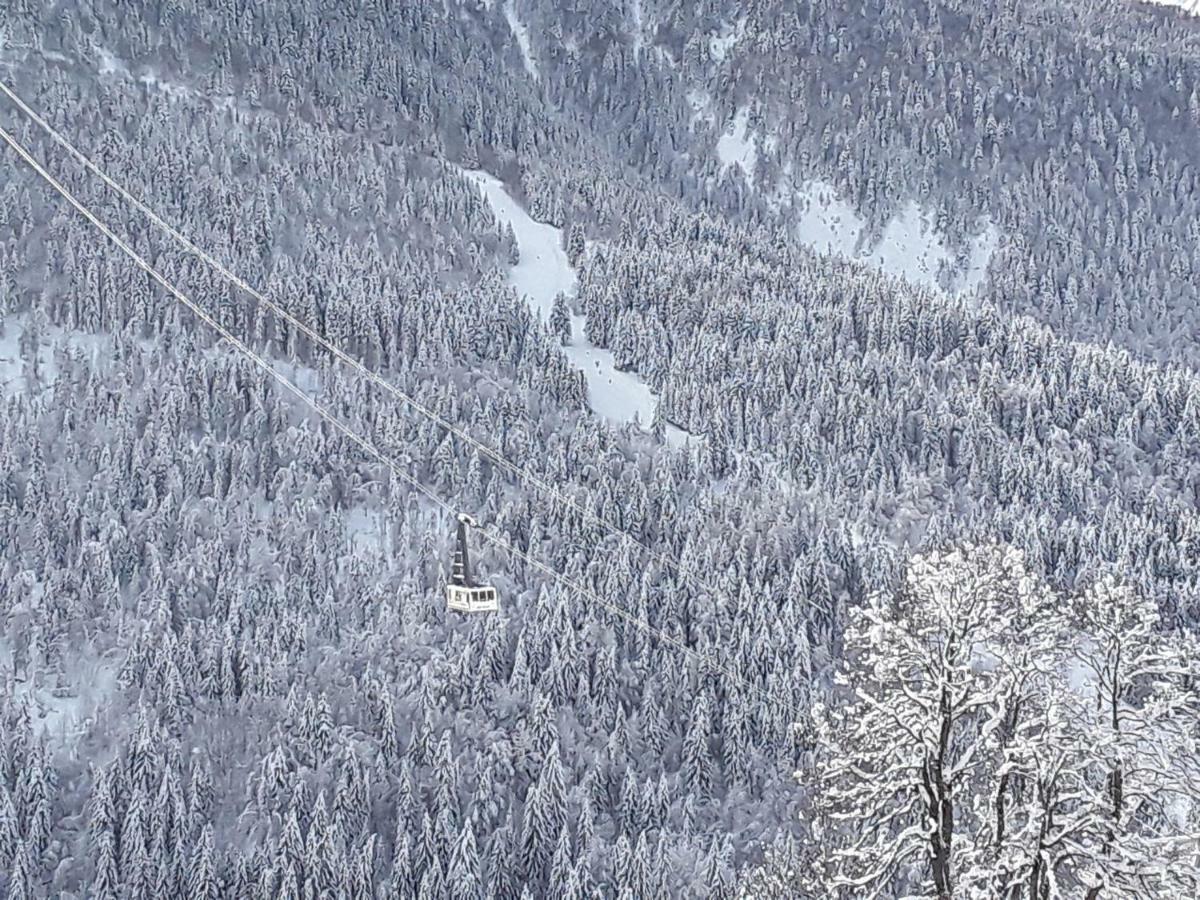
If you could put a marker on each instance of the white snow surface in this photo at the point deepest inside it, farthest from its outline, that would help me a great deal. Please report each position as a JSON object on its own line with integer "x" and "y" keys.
{"x": 521, "y": 33}
{"x": 114, "y": 67}
{"x": 12, "y": 366}
{"x": 62, "y": 713}
{"x": 10, "y": 358}
{"x": 701, "y": 104}
{"x": 617, "y": 396}
{"x": 1080, "y": 679}
{"x": 909, "y": 247}
{"x": 61, "y": 707}
{"x": 110, "y": 64}
{"x": 542, "y": 273}
{"x": 719, "y": 45}
{"x": 637, "y": 16}
{"x": 736, "y": 146}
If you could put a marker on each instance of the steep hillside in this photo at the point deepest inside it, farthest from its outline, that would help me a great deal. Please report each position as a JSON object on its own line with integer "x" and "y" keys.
{"x": 777, "y": 294}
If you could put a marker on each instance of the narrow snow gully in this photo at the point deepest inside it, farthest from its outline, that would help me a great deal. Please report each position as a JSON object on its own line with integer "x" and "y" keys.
{"x": 542, "y": 273}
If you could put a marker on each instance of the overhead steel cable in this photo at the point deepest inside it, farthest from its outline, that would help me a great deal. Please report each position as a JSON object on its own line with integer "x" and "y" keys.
{"x": 497, "y": 540}
{"x": 233, "y": 278}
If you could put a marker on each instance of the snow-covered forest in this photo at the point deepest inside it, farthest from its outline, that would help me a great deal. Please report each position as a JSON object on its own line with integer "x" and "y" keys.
{"x": 865, "y": 358}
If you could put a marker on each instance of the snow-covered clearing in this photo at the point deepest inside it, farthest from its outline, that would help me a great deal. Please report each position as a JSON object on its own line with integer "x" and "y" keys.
{"x": 114, "y": 67}
{"x": 701, "y": 104}
{"x": 62, "y": 711}
{"x": 719, "y": 45}
{"x": 110, "y": 64}
{"x": 909, "y": 246}
{"x": 367, "y": 529}
{"x": 61, "y": 705}
{"x": 735, "y": 146}
{"x": 544, "y": 272}
{"x": 12, "y": 364}
{"x": 10, "y": 357}
{"x": 521, "y": 33}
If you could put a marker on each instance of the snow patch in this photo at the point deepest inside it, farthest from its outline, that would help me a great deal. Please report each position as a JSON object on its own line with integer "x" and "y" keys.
{"x": 521, "y": 33}
{"x": 12, "y": 362}
{"x": 114, "y": 67}
{"x": 616, "y": 395}
{"x": 639, "y": 28}
{"x": 111, "y": 64}
{"x": 10, "y": 357}
{"x": 701, "y": 103}
{"x": 66, "y": 711}
{"x": 60, "y": 711}
{"x": 736, "y": 146}
{"x": 909, "y": 246}
{"x": 825, "y": 222}
{"x": 911, "y": 249}
{"x": 719, "y": 45}
{"x": 542, "y": 273}
{"x": 1079, "y": 678}
{"x": 173, "y": 91}
{"x": 366, "y": 529}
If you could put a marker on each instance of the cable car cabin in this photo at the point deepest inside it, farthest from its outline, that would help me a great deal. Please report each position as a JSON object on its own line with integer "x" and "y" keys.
{"x": 462, "y": 593}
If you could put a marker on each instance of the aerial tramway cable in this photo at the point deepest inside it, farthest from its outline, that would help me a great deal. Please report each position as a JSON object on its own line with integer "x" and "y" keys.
{"x": 497, "y": 540}
{"x": 494, "y": 455}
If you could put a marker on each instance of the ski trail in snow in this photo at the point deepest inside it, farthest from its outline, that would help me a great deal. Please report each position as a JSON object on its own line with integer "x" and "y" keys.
{"x": 521, "y": 33}
{"x": 542, "y": 273}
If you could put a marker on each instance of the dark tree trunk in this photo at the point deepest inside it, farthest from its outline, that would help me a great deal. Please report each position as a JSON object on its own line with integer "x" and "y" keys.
{"x": 941, "y": 809}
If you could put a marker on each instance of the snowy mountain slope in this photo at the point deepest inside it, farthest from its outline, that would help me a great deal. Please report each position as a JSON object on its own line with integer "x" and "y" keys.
{"x": 542, "y": 270}
{"x": 907, "y": 248}
{"x": 292, "y": 709}
{"x": 969, "y": 130}
{"x": 251, "y": 615}
{"x": 19, "y": 347}
{"x": 735, "y": 146}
